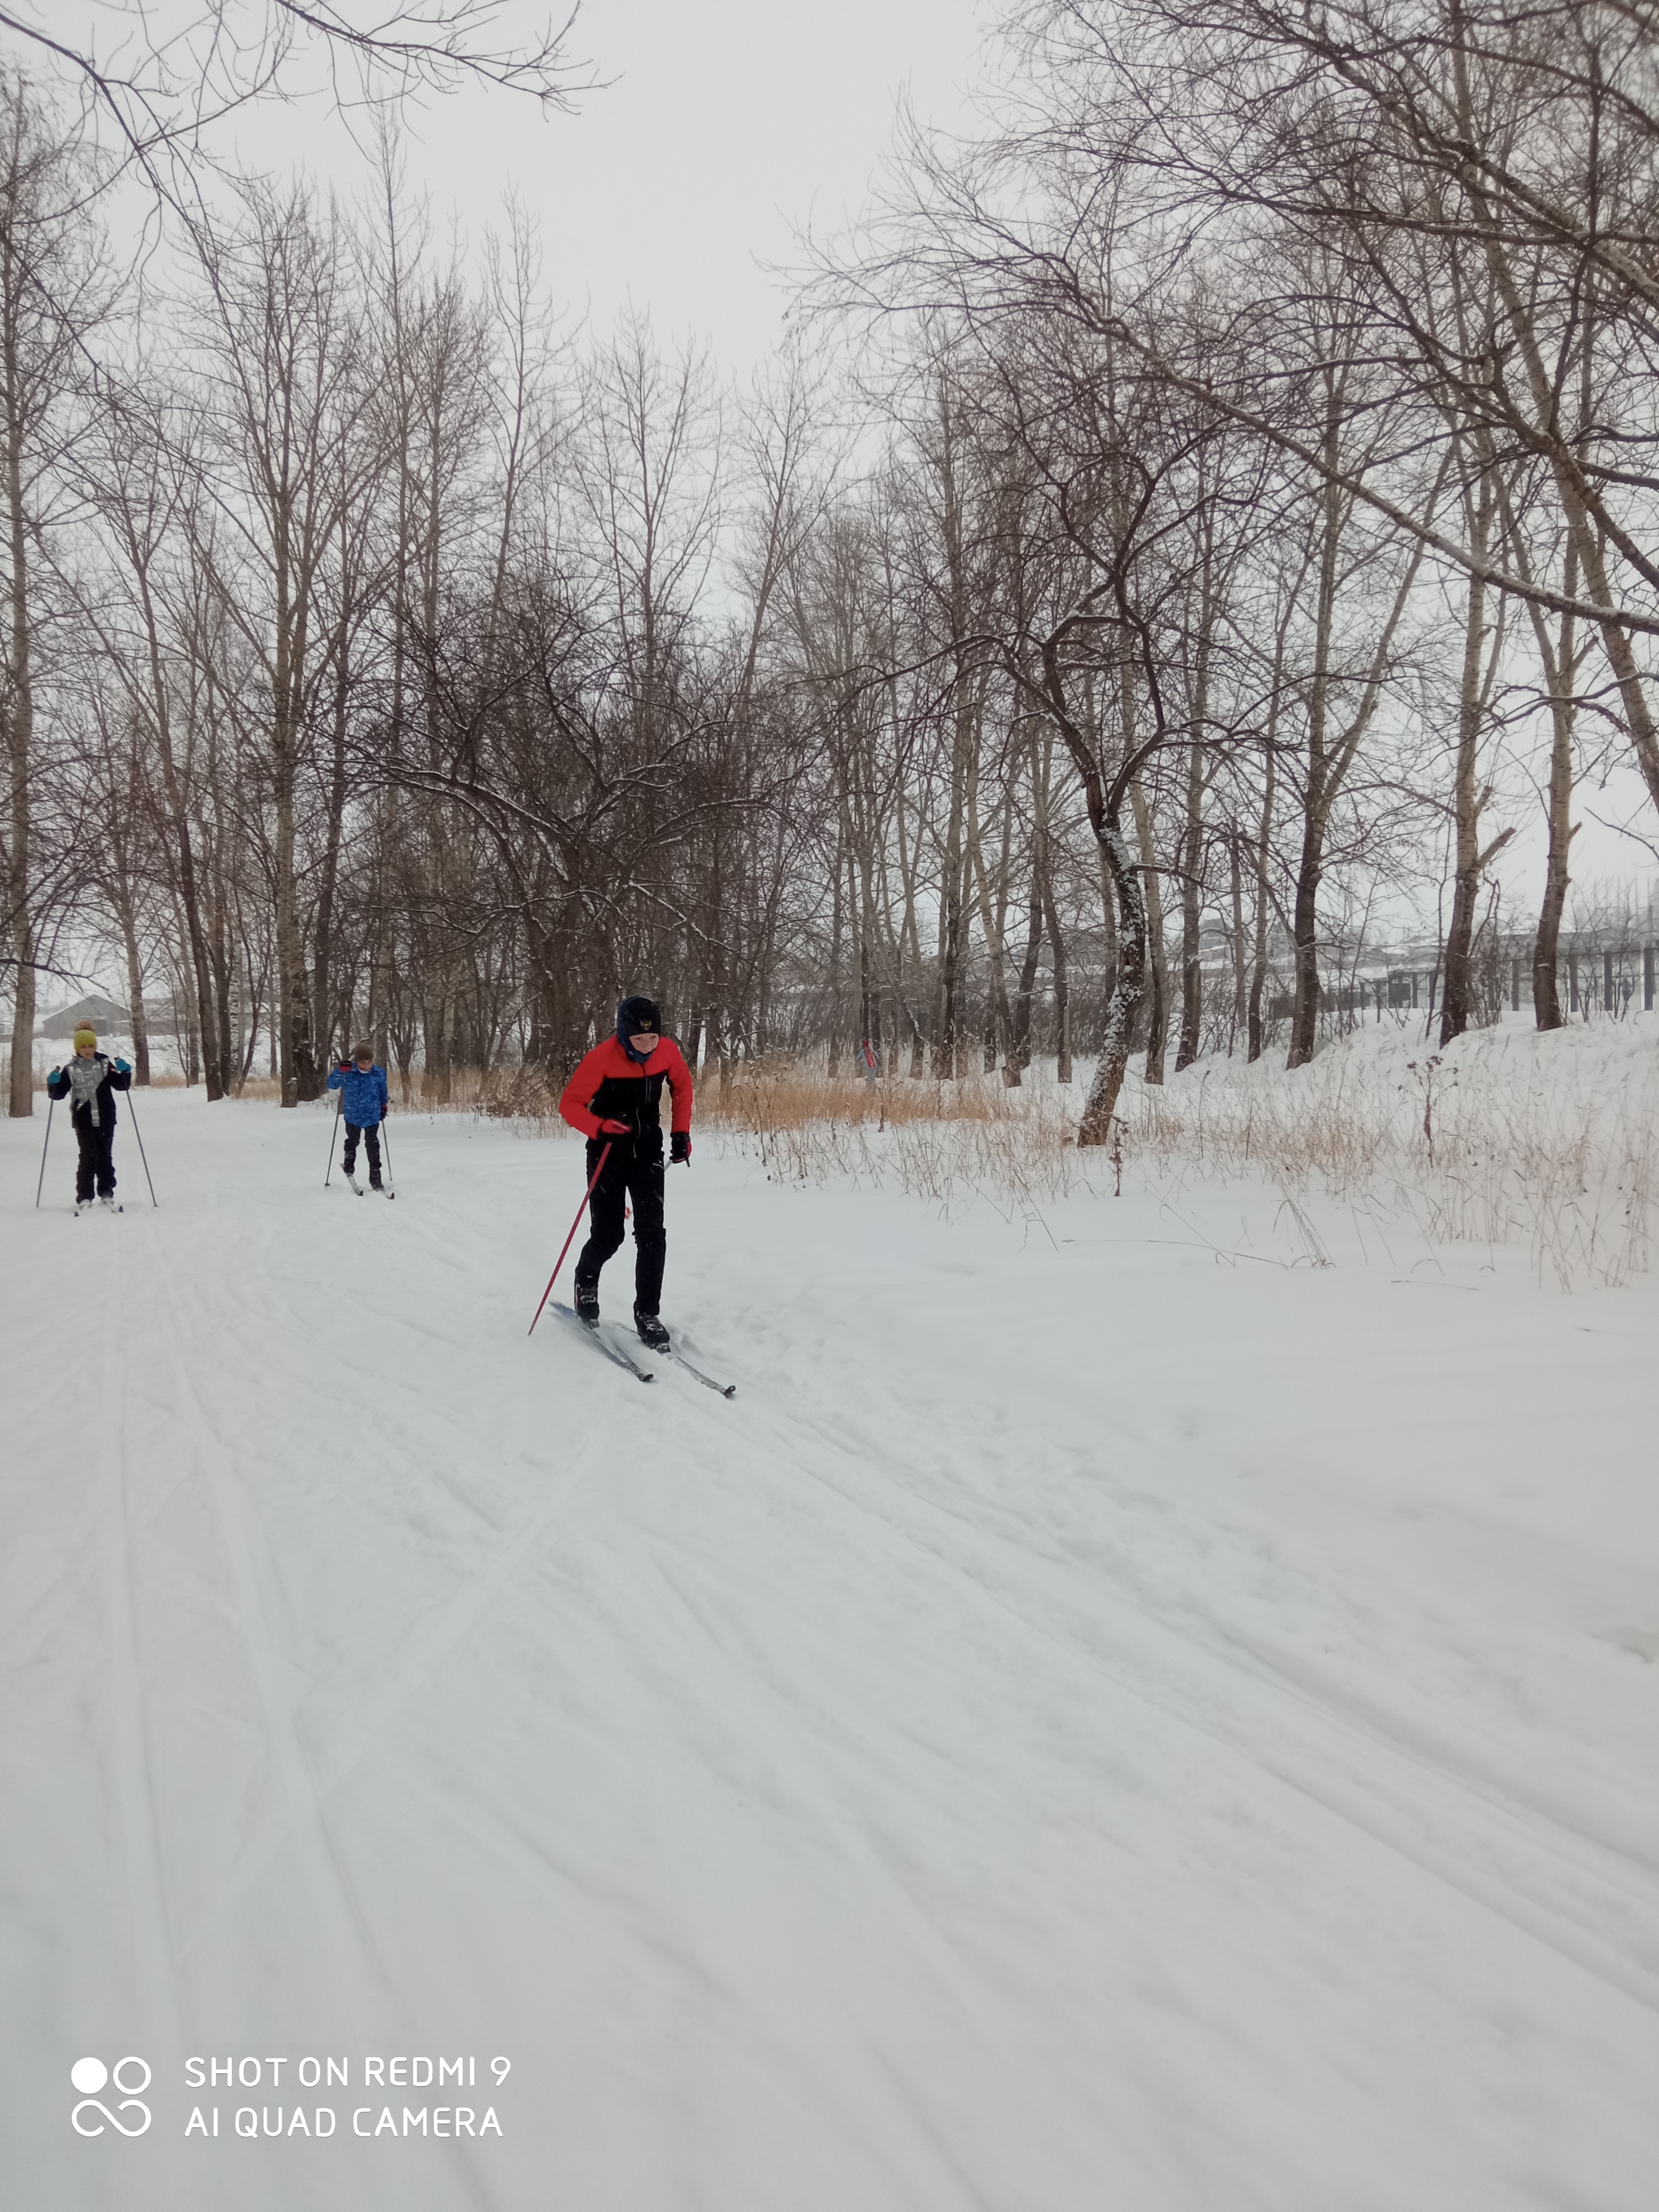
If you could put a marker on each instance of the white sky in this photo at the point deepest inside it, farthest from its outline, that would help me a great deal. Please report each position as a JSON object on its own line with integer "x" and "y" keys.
{"x": 728, "y": 125}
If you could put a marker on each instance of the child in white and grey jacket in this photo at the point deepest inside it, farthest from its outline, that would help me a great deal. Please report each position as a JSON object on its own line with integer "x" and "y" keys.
{"x": 91, "y": 1081}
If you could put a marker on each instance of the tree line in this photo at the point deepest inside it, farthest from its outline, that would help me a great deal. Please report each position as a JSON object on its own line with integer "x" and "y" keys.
{"x": 1211, "y": 502}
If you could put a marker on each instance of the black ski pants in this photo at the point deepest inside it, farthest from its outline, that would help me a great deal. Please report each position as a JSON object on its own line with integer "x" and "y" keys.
{"x": 632, "y": 1173}
{"x": 370, "y": 1133}
{"x": 95, "y": 1168}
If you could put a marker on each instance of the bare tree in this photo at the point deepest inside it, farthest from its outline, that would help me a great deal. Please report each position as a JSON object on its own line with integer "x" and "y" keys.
{"x": 286, "y": 414}
{"x": 161, "y": 87}
{"x": 54, "y": 293}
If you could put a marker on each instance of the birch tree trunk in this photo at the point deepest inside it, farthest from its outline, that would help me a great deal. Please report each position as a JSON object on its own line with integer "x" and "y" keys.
{"x": 1469, "y": 801}
{"x": 1158, "y": 1023}
{"x": 1557, "y": 811}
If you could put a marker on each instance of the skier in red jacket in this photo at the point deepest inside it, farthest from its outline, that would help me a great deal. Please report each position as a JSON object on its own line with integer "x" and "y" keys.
{"x": 614, "y": 1099}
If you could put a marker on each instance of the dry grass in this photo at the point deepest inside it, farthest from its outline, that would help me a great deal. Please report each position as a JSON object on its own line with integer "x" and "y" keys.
{"x": 520, "y": 1094}
{"x": 938, "y": 1139}
{"x": 787, "y": 1094}
{"x": 1470, "y": 1152}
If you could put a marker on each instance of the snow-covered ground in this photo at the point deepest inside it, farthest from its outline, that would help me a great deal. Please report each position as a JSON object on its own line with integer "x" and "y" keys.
{"x": 1091, "y": 1725}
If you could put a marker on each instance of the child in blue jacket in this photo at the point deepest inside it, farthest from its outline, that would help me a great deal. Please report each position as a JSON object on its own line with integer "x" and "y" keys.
{"x": 363, "y": 1101}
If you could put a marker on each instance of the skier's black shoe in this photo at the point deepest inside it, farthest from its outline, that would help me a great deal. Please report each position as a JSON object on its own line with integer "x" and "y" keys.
{"x": 587, "y": 1302}
{"x": 374, "y": 1183}
{"x": 652, "y": 1332}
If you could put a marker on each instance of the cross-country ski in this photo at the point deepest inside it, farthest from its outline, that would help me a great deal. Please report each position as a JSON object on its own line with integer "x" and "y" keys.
{"x": 594, "y": 1334}
{"x": 725, "y": 1389}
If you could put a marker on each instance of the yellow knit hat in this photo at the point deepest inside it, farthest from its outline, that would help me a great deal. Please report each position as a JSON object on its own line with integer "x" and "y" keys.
{"x": 86, "y": 1038}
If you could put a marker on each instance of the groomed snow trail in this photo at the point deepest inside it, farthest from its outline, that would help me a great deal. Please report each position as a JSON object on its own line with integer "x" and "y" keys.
{"x": 1087, "y": 1726}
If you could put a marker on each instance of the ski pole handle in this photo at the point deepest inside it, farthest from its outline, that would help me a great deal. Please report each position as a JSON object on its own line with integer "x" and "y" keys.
{"x": 575, "y": 1225}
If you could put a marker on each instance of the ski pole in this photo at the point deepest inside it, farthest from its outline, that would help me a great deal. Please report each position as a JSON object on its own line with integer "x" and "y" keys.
{"x": 41, "y": 1185}
{"x": 143, "y": 1155}
{"x": 339, "y": 1099}
{"x": 385, "y": 1139}
{"x": 575, "y": 1225}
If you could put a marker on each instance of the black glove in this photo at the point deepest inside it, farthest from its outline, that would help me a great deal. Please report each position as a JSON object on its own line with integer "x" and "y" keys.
{"x": 679, "y": 1146}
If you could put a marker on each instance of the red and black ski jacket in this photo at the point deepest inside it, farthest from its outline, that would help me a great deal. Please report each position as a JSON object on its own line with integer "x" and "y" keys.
{"x": 609, "y": 1086}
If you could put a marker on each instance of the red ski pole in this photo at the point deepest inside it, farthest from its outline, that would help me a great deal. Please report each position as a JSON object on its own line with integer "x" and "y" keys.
{"x": 575, "y": 1226}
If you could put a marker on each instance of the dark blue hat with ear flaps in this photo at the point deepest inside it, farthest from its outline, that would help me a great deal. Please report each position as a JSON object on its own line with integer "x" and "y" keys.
{"x": 636, "y": 1014}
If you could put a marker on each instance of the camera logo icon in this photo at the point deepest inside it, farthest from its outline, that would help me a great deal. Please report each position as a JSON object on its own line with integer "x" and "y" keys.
{"x": 89, "y": 2077}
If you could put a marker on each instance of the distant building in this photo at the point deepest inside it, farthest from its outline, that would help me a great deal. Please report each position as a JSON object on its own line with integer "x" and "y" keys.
{"x": 106, "y": 1017}
{"x": 109, "y": 1019}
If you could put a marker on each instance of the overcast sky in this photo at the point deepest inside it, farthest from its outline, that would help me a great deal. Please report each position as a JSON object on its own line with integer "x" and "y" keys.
{"x": 728, "y": 124}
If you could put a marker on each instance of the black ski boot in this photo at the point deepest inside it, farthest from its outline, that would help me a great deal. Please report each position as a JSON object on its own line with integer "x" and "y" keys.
{"x": 587, "y": 1303}
{"x": 652, "y": 1332}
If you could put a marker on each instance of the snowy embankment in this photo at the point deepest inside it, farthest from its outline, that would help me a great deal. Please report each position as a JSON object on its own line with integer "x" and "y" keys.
{"x": 1092, "y": 1723}
{"x": 1542, "y": 1150}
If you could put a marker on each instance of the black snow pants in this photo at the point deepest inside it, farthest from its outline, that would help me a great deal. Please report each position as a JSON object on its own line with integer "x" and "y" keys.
{"x": 634, "y": 1171}
{"x": 96, "y": 1166}
{"x": 370, "y": 1133}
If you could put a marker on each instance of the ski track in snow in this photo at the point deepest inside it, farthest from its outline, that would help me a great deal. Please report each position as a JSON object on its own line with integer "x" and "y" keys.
{"x": 1401, "y": 1795}
{"x": 1011, "y": 1755}
{"x": 127, "y": 1750}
